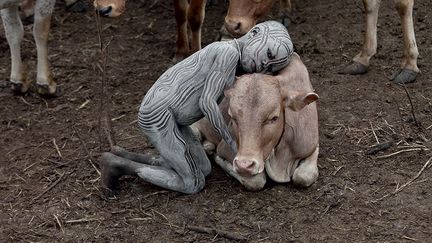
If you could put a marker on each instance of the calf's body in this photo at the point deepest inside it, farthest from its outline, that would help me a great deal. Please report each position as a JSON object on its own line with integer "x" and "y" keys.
{"x": 275, "y": 124}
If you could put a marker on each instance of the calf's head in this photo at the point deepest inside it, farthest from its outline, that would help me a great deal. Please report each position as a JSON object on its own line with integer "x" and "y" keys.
{"x": 110, "y": 8}
{"x": 257, "y": 106}
{"x": 242, "y": 15}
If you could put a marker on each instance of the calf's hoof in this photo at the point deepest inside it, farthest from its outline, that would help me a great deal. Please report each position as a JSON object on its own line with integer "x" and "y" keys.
{"x": 305, "y": 175}
{"x": 404, "y": 76}
{"x": 209, "y": 147}
{"x": 285, "y": 20}
{"x": 354, "y": 68}
{"x": 46, "y": 91}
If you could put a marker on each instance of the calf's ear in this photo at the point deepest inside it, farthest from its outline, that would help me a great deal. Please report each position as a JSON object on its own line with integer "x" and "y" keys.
{"x": 296, "y": 100}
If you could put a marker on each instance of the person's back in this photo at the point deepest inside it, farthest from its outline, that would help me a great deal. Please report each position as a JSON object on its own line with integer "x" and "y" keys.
{"x": 180, "y": 88}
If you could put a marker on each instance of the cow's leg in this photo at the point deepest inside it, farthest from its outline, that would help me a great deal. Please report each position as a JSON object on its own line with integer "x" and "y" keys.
{"x": 45, "y": 82}
{"x": 360, "y": 62}
{"x": 285, "y": 10}
{"x": 182, "y": 43}
{"x": 195, "y": 15}
{"x": 14, "y": 34}
{"x": 27, "y": 9}
{"x": 306, "y": 172}
{"x": 208, "y": 146}
{"x": 409, "y": 69}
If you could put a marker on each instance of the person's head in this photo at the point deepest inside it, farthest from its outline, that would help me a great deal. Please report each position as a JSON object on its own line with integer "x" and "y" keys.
{"x": 267, "y": 48}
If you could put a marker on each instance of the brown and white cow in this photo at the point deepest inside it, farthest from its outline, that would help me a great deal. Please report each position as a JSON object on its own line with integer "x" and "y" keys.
{"x": 188, "y": 14}
{"x": 243, "y": 14}
{"x": 275, "y": 123}
{"x": 14, "y": 34}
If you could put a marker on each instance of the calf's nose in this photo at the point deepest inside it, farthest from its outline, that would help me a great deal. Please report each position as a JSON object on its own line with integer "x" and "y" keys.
{"x": 245, "y": 167}
{"x": 105, "y": 11}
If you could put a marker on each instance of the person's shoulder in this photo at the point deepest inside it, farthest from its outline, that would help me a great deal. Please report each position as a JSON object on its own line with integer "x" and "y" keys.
{"x": 222, "y": 46}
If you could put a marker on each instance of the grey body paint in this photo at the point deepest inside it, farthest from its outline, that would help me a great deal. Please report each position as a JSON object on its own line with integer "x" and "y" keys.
{"x": 187, "y": 92}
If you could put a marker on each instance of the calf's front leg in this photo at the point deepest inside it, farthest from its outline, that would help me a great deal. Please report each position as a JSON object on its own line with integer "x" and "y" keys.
{"x": 306, "y": 172}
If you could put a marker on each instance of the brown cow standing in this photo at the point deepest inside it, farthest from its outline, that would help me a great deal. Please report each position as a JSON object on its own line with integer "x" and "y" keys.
{"x": 275, "y": 122}
{"x": 187, "y": 14}
{"x": 243, "y": 14}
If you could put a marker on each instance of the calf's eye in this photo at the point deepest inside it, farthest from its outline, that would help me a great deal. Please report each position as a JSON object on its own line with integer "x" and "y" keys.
{"x": 272, "y": 120}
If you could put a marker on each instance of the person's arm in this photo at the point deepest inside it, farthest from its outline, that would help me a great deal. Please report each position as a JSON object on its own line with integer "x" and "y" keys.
{"x": 218, "y": 79}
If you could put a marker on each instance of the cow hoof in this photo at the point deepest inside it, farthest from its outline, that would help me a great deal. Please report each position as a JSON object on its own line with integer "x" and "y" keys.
{"x": 19, "y": 88}
{"x": 404, "y": 76}
{"x": 196, "y": 132}
{"x": 354, "y": 68}
{"x": 305, "y": 175}
{"x": 45, "y": 91}
{"x": 285, "y": 20}
{"x": 77, "y": 7}
{"x": 209, "y": 147}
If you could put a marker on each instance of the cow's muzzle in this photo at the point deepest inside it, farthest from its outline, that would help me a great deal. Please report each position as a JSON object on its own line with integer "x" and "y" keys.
{"x": 105, "y": 11}
{"x": 247, "y": 167}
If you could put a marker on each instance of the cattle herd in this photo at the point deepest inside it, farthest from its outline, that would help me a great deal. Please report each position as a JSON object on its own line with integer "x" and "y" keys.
{"x": 266, "y": 125}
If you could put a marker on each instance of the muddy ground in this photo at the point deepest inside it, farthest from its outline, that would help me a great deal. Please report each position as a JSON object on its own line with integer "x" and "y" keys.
{"x": 50, "y": 195}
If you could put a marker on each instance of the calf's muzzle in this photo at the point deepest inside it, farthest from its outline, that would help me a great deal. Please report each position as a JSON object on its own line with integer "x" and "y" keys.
{"x": 246, "y": 167}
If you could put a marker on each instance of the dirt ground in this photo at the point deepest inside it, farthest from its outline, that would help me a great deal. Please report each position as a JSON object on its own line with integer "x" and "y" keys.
{"x": 50, "y": 195}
